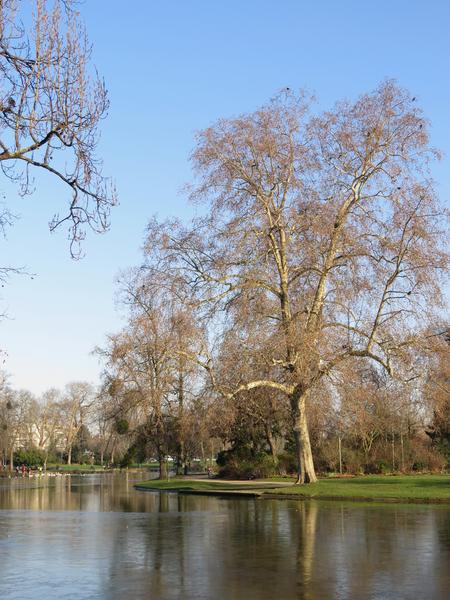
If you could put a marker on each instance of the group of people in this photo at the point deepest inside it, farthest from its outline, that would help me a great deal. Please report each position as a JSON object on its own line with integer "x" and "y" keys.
{"x": 24, "y": 470}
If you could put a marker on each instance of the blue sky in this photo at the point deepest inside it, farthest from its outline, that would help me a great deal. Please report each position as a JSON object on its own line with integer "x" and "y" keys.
{"x": 172, "y": 68}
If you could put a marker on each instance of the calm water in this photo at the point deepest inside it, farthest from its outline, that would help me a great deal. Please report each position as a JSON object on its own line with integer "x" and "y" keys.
{"x": 96, "y": 537}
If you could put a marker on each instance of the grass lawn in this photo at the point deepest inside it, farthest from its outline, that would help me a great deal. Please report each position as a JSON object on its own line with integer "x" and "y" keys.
{"x": 181, "y": 484}
{"x": 419, "y": 487}
{"x": 426, "y": 488}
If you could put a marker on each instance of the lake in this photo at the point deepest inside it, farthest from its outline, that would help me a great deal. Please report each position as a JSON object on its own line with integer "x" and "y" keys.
{"x": 94, "y": 536}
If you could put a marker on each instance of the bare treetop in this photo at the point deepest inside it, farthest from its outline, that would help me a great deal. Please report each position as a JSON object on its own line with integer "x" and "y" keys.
{"x": 51, "y": 103}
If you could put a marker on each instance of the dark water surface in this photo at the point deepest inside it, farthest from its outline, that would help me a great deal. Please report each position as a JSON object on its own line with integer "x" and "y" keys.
{"x": 83, "y": 537}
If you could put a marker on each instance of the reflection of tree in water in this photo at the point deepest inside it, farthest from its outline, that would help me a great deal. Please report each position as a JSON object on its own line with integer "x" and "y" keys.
{"x": 210, "y": 548}
{"x": 104, "y": 492}
{"x": 307, "y": 524}
{"x": 147, "y": 552}
{"x": 311, "y": 550}
{"x": 151, "y": 545}
{"x": 442, "y": 534}
{"x": 370, "y": 552}
{"x": 199, "y": 547}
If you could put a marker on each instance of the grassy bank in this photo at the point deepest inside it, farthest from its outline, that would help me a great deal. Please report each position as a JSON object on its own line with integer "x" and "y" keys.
{"x": 181, "y": 484}
{"x": 401, "y": 488}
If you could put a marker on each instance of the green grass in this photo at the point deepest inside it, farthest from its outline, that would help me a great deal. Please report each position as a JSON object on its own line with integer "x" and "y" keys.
{"x": 193, "y": 485}
{"x": 404, "y": 487}
{"x": 426, "y": 488}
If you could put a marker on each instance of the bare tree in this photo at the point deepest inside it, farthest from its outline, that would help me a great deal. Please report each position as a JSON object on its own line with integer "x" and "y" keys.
{"x": 364, "y": 406}
{"x": 77, "y": 401}
{"x": 321, "y": 236}
{"x": 16, "y": 422}
{"x": 51, "y": 103}
{"x": 49, "y": 422}
{"x": 138, "y": 359}
{"x": 153, "y": 359}
{"x": 437, "y": 392}
{"x": 105, "y": 415}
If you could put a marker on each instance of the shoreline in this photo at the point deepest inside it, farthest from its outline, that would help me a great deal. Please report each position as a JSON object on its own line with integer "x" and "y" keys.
{"x": 397, "y": 490}
{"x": 301, "y": 497}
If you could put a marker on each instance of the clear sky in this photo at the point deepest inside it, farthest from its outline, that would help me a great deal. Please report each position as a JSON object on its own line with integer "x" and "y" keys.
{"x": 171, "y": 68}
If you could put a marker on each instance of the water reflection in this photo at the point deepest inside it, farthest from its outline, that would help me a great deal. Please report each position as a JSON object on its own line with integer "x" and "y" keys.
{"x": 96, "y": 537}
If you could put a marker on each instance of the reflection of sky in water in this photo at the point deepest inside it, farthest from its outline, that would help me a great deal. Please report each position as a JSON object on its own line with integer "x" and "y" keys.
{"x": 96, "y": 537}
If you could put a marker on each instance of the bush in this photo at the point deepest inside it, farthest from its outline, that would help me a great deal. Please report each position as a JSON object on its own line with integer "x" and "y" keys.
{"x": 287, "y": 463}
{"x": 122, "y": 426}
{"x": 31, "y": 457}
{"x": 443, "y": 447}
{"x": 243, "y": 463}
{"x": 128, "y": 458}
{"x": 427, "y": 459}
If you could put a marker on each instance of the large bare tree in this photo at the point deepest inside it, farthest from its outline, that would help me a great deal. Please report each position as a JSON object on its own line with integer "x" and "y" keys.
{"x": 320, "y": 241}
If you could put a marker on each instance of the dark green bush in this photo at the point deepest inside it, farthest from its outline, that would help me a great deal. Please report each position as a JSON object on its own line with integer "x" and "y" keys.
{"x": 287, "y": 463}
{"x": 31, "y": 457}
{"x": 243, "y": 463}
{"x": 122, "y": 426}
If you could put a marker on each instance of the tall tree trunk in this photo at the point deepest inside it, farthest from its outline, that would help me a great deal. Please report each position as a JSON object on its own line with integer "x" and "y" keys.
{"x": 105, "y": 447}
{"x": 181, "y": 461}
{"x": 11, "y": 458}
{"x": 305, "y": 464}
{"x": 163, "y": 471}
{"x": 181, "y": 455}
{"x": 69, "y": 456}
{"x": 340, "y": 454}
{"x": 393, "y": 451}
{"x": 402, "y": 451}
{"x": 202, "y": 452}
{"x": 272, "y": 444}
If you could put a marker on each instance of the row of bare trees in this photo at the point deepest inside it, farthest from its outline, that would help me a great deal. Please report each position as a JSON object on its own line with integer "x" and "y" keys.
{"x": 50, "y": 423}
{"x": 313, "y": 271}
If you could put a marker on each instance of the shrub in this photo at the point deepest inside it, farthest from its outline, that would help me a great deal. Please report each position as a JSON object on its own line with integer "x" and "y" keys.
{"x": 243, "y": 463}
{"x": 31, "y": 457}
{"x": 427, "y": 459}
{"x": 122, "y": 426}
{"x": 129, "y": 457}
{"x": 287, "y": 463}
